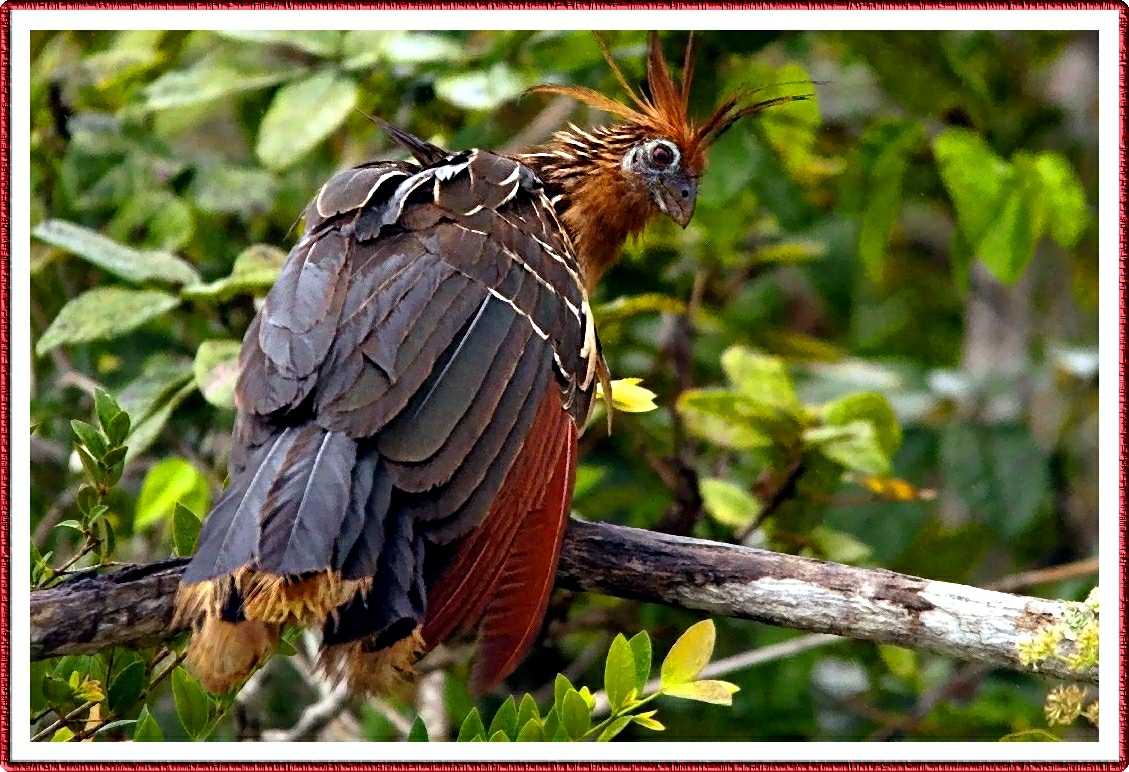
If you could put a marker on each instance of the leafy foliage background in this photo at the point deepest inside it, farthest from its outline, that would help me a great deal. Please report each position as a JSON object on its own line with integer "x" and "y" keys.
{"x": 922, "y": 230}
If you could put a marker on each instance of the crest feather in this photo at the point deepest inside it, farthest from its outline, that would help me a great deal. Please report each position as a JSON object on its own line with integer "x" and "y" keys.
{"x": 664, "y": 112}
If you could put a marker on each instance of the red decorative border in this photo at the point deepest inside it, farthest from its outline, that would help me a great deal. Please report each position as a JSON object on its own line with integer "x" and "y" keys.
{"x": 5, "y": 383}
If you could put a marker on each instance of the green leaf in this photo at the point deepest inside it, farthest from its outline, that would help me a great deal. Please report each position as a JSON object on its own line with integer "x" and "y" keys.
{"x": 185, "y": 529}
{"x": 998, "y": 472}
{"x": 72, "y": 524}
{"x": 401, "y": 47}
{"x": 837, "y": 546}
{"x": 89, "y": 437}
{"x": 901, "y": 662}
{"x": 975, "y": 178}
{"x": 480, "y": 89}
{"x": 561, "y": 687}
{"x": 125, "y": 262}
{"x": 713, "y": 692}
{"x": 619, "y": 672}
{"x": 147, "y": 430}
{"x": 644, "y": 720}
{"x": 527, "y": 710}
{"x": 640, "y": 644}
{"x": 168, "y": 482}
{"x": 883, "y": 155}
{"x": 729, "y": 504}
{"x": 576, "y": 716}
{"x": 855, "y": 446}
{"x": 146, "y": 729}
{"x": 215, "y": 369}
{"x": 499, "y": 737}
{"x": 614, "y": 728}
{"x": 192, "y": 703}
{"x": 209, "y": 81}
{"x": 125, "y": 688}
{"x": 532, "y": 731}
{"x": 1064, "y": 198}
{"x": 726, "y": 418}
{"x": 118, "y": 429}
{"x": 418, "y": 732}
{"x": 62, "y": 735}
{"x": 870, "y": 407}
{"x": 689, "y": 654}
{"x": 301, "y": 115}
{"x": 471, "y": 728}
{"x": 1031, "y": 736}
{"x": 505, "y": 720}
{"x": 103, "y": 313}
{"x": 324, "y": 43}
{"x": 253, "y": 273}
{"x": 106, "y": 408}
{"x": 762, "y": 379}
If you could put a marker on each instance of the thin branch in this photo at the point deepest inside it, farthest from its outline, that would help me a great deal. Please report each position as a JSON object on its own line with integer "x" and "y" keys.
{"x": 1060, "y": 573}
{"x": 134, "y": 606}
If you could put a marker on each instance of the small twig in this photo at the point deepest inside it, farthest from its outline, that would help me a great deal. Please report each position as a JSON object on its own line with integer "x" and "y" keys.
{"x": 780, "y": 493}
{"x": 1049, "y": 575}
{"x": 88, "y": 546}
{"x": 57, "y": 725}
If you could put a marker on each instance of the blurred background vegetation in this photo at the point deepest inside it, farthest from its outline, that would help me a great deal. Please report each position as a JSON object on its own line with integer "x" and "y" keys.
{"x": 921, "y": 230}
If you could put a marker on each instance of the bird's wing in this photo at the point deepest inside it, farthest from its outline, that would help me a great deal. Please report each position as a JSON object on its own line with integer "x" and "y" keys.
{"x": 390, "y": 383}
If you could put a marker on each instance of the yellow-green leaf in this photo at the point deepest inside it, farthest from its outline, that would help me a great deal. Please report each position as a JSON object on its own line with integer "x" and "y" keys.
{"x": 729, "y": 504}
{"x": 253, "y": 272}
{"x": 689, "y": 654}
{"x": 713, "y": 692}
{"x": 215, "y": 369}
{"x": 168, "y": 482}
{"x": 619, "y": 672}
{"x": 629, "y": 397}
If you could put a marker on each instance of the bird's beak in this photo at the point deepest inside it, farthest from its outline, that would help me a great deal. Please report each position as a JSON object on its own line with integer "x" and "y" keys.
{"x": 676, "y": 196}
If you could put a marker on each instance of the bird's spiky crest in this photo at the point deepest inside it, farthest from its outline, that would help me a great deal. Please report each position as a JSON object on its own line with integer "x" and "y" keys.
{"x": 665, "y": 111}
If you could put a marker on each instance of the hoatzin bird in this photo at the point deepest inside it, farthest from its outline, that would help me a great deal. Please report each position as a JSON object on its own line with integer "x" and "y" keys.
{"x": 410, "y": 393}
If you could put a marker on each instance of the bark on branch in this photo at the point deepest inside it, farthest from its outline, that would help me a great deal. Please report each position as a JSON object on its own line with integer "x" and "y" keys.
{"x": 133, "y": 606}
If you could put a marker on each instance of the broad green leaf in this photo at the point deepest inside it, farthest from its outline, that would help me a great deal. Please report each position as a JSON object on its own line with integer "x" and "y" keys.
{"x": 505, "y": 720}
{"x": 146, "y": 729}
{"x": 532, "y": 731}
{"x": 1009, "y": 244}
{"x": 561, "y": 687}
{"x": 576, "y": 716}
{"x": 499, "y": 737}
{"x": 527, "y": 710}
{"x": 192, "y": 703}
{"x": 901, "y": 662}
{"x": 884, "y": 152}
{"x": 160, "y": 378}
{"x": 854, "y": 445}
{"x": 326, "y": 43}
{"x": 226, "y": 189}
{"x": 689, "y": 654}
{"x": 168, "y": 482}
{"x": 185, "y": 529}
{"x": 417, "y": 47}
{"x": 644, "y": 720}
{"x": 1064, "y": 198}
{"x": 1031, "y": 736}
{"x": 62, "y": 735}
{"x": 713, "y": 692}
{"x": 614, "y": 728}
{"x": 301, "y": 115}
{"x": 471, "y": 727}
{"x": 89, "y": 437}
{"x": 729, "y": 504}
{"x": 103, "y": 313}
{"x": 216, "y": 369}
{"x": 870, "y": 407}
{"x": 149, "y": 427}
{"x": 105, "y": 407}
{"x": 208, "y": 81}
{"x": 125, "y": 688}
{"x": 118, "y": 428}
{"x": 762, "y": 379}
{"x": 726, "y": 418}
{"x": 641, "y": 653}
{"x": 418, "y": 732}
{"x": 481, "y": 89}
{"x": 128, "y": 263}
{"x": 253, "y": 272}
{"x": 837, "y": 546}
{"x": 975, "y": 177}
{"x": 998, "y": 472}
{"x": 619, "y": 672}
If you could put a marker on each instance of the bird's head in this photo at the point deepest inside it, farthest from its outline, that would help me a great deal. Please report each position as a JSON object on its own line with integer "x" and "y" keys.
{"x": 617, "y": 178}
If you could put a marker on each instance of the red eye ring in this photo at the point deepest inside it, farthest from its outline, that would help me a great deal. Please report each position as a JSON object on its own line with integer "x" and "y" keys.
{"x": 662, "y": 155}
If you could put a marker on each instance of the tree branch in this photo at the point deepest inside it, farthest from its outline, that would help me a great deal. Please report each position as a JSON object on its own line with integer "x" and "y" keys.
{"x": 133, "y": 606}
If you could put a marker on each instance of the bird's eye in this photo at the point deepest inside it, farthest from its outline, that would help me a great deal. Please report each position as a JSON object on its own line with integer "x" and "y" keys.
{"x": 662, "y": 155}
